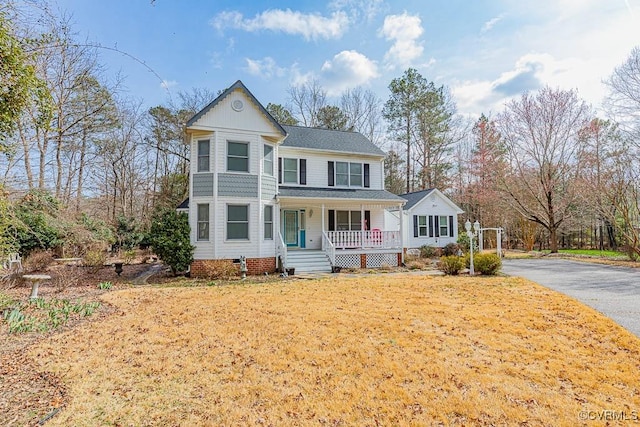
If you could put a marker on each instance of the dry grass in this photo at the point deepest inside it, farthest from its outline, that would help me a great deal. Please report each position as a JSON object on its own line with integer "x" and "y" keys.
{"x": 378, "y": 350}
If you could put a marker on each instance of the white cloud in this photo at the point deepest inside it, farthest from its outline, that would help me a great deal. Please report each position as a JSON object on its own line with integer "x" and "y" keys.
{"x": 530, "y": 72}
{"x": 347, "y": 69}
{"x": 266, "y": 68}
{"x": 309, "y": 26}
{"x": 491, "y": 23}
{"x": 359, "y": 10}
{"x": 299, "y": 78}
{"x": 404, "y": 30}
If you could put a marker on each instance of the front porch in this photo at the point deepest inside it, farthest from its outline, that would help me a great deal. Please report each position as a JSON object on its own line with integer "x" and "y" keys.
{"x": 350, "y": 235}
{"x": 365, "y": 239}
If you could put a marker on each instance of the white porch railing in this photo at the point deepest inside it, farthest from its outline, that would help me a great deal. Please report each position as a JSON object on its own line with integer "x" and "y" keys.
{"x": 281, "y": 251}
{"x": 365, "y": 239}
{"x": 329, "y": 248}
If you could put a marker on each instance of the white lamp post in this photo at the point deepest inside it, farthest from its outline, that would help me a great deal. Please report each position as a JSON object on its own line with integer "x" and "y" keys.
{"x": 471, "y": 235}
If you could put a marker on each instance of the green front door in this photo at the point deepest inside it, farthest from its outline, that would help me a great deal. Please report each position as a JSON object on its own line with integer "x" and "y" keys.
{"x": 290, "y": 226}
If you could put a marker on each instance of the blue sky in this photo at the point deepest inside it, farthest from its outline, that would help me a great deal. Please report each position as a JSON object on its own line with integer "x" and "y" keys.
{"x": 485, "y": 51}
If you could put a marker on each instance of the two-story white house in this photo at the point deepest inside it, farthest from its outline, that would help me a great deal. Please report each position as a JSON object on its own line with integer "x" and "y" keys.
{"x": 284, "y": 196}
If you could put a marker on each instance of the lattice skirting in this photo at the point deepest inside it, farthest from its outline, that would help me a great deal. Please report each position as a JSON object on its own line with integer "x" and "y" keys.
{"x": 348, "y": 260}
{"x": 379, "y": 260}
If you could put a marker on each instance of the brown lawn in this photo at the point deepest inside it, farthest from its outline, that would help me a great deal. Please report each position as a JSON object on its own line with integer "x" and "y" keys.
{"x": 378, "y": 350}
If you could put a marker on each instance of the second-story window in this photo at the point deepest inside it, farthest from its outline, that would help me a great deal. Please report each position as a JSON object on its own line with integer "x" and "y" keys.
{"x": 203, "y": 156}
{"x": 237, "y": 156}
{"x": 348, "y": 174}
{"x": 290, "y": 171}
{"x": 268, "y": 160}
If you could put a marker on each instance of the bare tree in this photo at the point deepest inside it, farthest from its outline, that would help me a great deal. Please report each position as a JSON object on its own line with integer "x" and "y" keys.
{"x": 123, "y": 176}
{"x": 623, "y": 101}
{"x": 307, "y": 100}
{"x": 541, "y": 138}
{"x": 364, "y": 113}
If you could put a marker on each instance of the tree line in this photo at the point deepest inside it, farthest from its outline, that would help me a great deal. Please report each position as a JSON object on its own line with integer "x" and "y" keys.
{"x": 78, "y": 153}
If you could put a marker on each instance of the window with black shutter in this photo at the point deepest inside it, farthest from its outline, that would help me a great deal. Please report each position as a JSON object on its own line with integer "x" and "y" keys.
{"x": 430, "y": 225}
{"x": 330, "y": 174}
{"x": 367, "y": 180}
{"x": 303, "y": 171}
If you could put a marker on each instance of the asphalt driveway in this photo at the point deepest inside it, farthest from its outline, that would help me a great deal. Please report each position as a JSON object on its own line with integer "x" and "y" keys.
{"x": 613, "y": 291}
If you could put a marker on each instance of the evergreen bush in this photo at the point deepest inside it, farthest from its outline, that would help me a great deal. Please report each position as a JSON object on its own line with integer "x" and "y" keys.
{"x": 169, "y": 238}
{"x": 487, "y": 264}
{"x": 451, "y": 265}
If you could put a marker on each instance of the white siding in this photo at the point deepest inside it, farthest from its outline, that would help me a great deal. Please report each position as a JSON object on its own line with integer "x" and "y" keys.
{"x": 317, "y": 166}
{"x": 250, "y": 119}
{"x": 428, "y": 206}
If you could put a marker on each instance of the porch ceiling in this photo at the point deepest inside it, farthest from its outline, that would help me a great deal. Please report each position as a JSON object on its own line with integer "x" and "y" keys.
{"x": 338, "y": 196}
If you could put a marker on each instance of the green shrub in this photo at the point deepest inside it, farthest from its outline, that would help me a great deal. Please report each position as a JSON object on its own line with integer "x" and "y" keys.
{"x": 427, "y": 251}
{"x": 169, "y": 236}
{"x": 487, "y": 264}
{"x": 451, "y": 265}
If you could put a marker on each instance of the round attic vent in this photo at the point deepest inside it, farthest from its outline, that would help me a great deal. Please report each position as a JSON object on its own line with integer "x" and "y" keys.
{"x": 237, "y": 105}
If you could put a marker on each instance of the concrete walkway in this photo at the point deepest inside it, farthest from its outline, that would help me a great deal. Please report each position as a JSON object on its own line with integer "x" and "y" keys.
{"x": 613, "y": 291}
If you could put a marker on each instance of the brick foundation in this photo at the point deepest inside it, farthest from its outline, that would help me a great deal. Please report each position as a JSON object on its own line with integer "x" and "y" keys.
{"x": 202, "y": 268}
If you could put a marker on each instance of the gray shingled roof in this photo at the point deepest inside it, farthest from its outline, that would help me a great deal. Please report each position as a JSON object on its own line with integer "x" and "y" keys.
{"x": 329, "y": 140}
{"x": 415, "y": 197}
{"x": 184, "y": 204}
{"x": 237, "y": 85}
{"x": 339, "y": 193}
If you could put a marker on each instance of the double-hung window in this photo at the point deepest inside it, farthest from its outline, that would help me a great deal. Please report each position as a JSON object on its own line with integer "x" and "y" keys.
{"x": 355, "y": 174}
{"x": 237, "y": 156}
{"x": 342, "y": 174}
{"x": 444, "y": 228}
{"x": 203, "y": 222}
{"x": 290, "y": 171}
{"x": 348, "y": 220}
{"x": 203, "y": 155}
{"x": 348, "y": 174}
{"x": 267, "y": 163}
{"x": 237, "y": 222}
{"x": 422, "y": 225}
{"x": 268, "y": 222}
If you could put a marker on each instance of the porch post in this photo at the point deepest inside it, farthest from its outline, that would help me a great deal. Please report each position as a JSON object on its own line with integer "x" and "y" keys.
{"x": 322, "y": 218}
{"x": 401, "y": 215}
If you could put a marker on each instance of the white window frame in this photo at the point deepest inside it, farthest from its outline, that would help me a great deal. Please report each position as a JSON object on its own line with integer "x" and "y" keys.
{"x": 423, "y": 229}
{"x": 202, "y": 156}
{"x": 348, "y": 175}
{"x": 202, "y": 224}
{"x": 285, "y": 170}
{"x": 247, "y": 157}
{"x": 230, "y": 221}
{"x": 267, "y": 162}
{"x": 351, "y": 224}
{"x": 443, "y": 226}
{"x": 268, "y": 224}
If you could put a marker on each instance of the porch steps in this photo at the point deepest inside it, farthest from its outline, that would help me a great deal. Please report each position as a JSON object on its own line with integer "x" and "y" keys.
{"x": 308, "y": 261}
